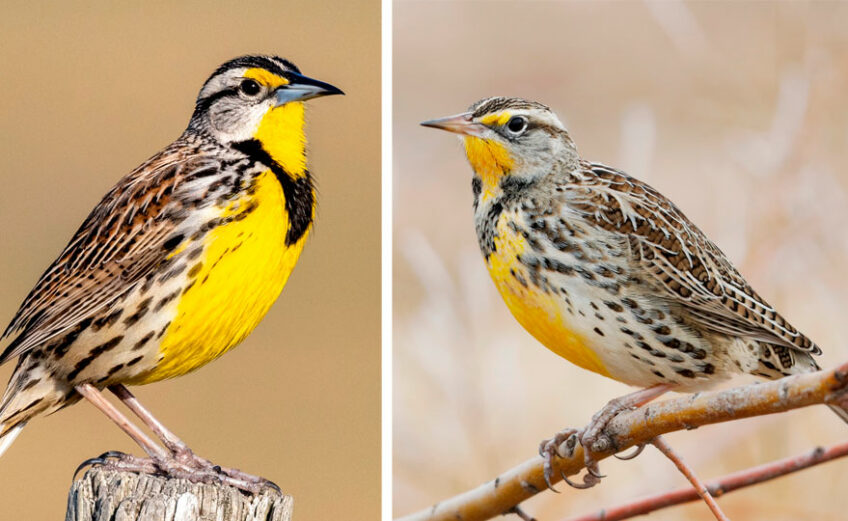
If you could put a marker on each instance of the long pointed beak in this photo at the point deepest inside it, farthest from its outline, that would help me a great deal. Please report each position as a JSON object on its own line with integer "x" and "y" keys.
{"x": 459, "y": 124}
{"x": 302, "y": 88}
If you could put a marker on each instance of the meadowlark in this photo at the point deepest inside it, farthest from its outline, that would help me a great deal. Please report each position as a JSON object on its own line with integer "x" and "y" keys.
{"x": 176, "y": 265}
{"x": 608, "y": 273}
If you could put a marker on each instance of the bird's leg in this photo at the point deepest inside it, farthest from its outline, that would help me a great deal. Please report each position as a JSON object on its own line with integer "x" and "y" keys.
{"x": 179, "y": 449}
{"x": 177, "y": 446}
{"x": 90, "y": 393}
{"x": 161, "y": 460}
{"x": 589, "y": 437}
{"x": 616, "y": 406}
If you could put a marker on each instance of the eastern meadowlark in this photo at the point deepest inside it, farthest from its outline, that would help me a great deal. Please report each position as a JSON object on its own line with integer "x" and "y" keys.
{"x": 607, "y": 272}
{"x": 176, "y": 265}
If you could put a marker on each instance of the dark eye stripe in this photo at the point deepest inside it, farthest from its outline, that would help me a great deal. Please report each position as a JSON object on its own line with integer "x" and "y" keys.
{"x": 203, "y": 104}
{"x": 215, "y": 96}
{"x": 544, "y": 127}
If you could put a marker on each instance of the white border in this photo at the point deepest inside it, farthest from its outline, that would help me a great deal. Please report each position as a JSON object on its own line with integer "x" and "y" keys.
{"x": 386, "y": 225}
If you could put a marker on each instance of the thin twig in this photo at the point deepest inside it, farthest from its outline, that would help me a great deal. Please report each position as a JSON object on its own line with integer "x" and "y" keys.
{"x": 521, "y": 513}
{"x": 720, "y": 486}
{"x": 640, "y": 426}
{"x": 660, "y": 443}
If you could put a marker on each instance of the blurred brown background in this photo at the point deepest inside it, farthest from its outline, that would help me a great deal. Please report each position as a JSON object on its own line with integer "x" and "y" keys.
{"x": 88, "y": 92}
{"x": 736, "y": 111}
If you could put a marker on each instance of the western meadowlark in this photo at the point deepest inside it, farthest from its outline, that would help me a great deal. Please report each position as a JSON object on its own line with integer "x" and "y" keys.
{"x": 608, "y": 273}
{"x": 176, "y": 265}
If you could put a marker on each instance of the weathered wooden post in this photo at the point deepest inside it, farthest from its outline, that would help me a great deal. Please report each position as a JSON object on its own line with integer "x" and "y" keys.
{"x": 109, "y": 495}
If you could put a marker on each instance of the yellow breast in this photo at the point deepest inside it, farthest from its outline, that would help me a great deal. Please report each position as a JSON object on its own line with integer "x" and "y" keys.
{"x": 241, "y": 273}
{"x": 540, "y": 313}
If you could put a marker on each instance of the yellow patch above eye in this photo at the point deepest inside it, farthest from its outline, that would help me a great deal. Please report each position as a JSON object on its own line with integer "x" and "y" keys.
{"x": 496, "y": 119}
{"x": 269, "y": 79}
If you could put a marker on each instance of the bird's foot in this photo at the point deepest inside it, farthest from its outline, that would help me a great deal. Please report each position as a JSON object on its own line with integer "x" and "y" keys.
{"x": 116, "y": 460}
{"x": 592, "y": 439}
{"x": 562, "y": 445}
{"x": 182, "y": 466}
{"x": 188, "y": 457}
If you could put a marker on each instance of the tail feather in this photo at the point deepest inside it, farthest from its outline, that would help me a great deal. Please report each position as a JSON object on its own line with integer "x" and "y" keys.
{"x": 778, "y": 361}
{"x": 7, "y": 439}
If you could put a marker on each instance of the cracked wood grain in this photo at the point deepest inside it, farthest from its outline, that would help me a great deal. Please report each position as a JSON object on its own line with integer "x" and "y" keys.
{"x": 108, "y": 495}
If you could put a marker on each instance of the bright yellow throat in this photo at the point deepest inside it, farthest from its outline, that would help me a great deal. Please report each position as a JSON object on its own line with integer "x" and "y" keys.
{"x": 282, "y": 136}
{"x": 246, "y": 262}
{"x": 490, "y": 160}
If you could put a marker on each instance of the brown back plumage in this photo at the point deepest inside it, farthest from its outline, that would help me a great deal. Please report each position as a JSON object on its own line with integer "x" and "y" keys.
{"x": 692, "y": 270}
{"x": 128, "y": 234}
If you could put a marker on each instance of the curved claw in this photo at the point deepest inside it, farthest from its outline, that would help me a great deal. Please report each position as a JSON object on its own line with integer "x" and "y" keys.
{"x": 274, "y": 486}
{"x": 591, "y": 465}
{"x": 595, "y": 471}
{"x": 548, "y": 471}
{"x": 112, "y": 454}
{"x": 639, "y": 449}
{"x": 99, "y": 460}
{"x": 550, "y": 485}
{"x": 89, "y": 462}
{"x": 589, "y": 481}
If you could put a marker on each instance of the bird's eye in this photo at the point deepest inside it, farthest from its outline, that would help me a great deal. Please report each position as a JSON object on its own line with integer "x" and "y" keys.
{"x": 250, "y": 87}
{"x": 517, "y": 124}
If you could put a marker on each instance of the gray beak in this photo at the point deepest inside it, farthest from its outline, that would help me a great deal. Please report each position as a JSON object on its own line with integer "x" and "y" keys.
{"x": 302, "y": 88}
{"x": 459, "y": 124}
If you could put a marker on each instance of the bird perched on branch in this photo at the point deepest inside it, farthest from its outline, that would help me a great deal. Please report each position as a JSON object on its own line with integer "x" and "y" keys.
{"x": 608, "y": 273}
{"x": 175, "y": 266}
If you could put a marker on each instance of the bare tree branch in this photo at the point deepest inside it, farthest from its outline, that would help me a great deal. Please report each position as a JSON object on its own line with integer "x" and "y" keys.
{"x": 700, "y": 489}
{"x": 720, "y": 486}
{"x": 505, "y": 492}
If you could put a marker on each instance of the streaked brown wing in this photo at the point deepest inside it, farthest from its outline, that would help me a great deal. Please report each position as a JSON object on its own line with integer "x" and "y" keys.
{"x": 694, "y": 272}
{"x": 123, "y": 239}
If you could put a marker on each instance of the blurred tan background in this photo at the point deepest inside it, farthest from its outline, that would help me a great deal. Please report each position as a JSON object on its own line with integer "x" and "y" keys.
{"x": 88, "y": 92}
{"x": 736, "y": 111}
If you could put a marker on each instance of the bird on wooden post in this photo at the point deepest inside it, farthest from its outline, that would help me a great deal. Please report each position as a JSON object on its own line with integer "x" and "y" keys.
{"x": 175, "y": 266}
